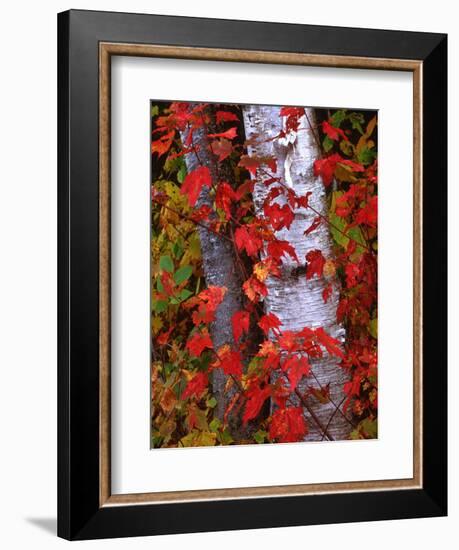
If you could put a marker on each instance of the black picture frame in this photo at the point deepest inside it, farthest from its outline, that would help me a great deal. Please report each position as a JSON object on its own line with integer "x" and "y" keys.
{"x": 80, "y": 515}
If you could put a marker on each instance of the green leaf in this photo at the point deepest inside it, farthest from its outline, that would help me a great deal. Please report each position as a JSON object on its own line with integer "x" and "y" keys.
{"x": 225, "y": 437}
{"x": 212, "y": 402}
{"x": 338, "y": 226}
{"x": 338, "y": 117}
{"x": 373, "y": 328}
{"x": 254, "y": 365}
{"x": 327, "y": 144}
{"x": 346, "y": 147}
{"x": 171, "y": 367}
{"x": 159, "y": 285}
{"x": 260, "y": 436}
{"x": 366, "y": 156}
{"x": 185, "y": 294}
{"x": 370, "y": 427}
{"x": 182, "y": 274}
{"x": 166, "y": 264}
{"x": 154, "y": 110}
{"x": 205, "y": 439}
{"x": 159, "y": 306}
{"x": 156, "y": 441}
{"x": 181, "y": 174}
{"x": 357, "y": 119}
{"x": 177, "y": 249}
{"x": 215, "y": 424}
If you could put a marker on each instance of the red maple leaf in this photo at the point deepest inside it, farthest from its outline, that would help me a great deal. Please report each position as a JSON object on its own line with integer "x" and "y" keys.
{"x": 255, "y": 399}
{"x": 254, "y": 289}
{"x": 224, "y": 197}
{"x": 273, "y": 193}
{"x": 196, "y": 385}
{"x": 332, "y": 132}
{"x": 303, "y": 200}
{"x": 230, "y": 361}
{"x": 316, "y": 263}
{"x": 204, "y": 314}
{"x": 272, "y": 361}
{"x": 269, "y": 321}
{"x": 208, "y": 300}
{"x": 252, "y": 163}
{"x": 296, "y": 367}
{"x": 293, "y": 115}
{"x": 241, "y": 323}
{"x": 314, "y": 225}
{"x": 202, "y": 213}
{"x": 353, "y": 387}
{"x": 332, "y": 345}
{"x": 162, "y": 338}
{"x": 198, "y": 342}
{"x": 193, "y": 183}
{"x": 168, "y": 283}
{"x": 292, "y": 111}
{"x": 276, "y": 249}
{"x": 326, "y": 293}
{"x": 225, "y": 116}
{"x": 228, "y": 134}
{"x": 279, "y": 216}
{"x": 213, "y": 294}
{"x": 163, "y": 144}
{"x": 288, "y": 340}
{"x": 352, "y": 274}
{"x": 368, "y": 214}
{"x": 322, "y": 393}
{"x": 247, "y": 239}
{"x": 288, "y": 425}
{"x": 325, "y": 167}
{"x": 222, "y": 148}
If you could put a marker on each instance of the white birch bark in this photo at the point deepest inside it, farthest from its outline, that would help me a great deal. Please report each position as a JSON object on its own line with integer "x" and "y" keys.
{"x": 296, "y": 301}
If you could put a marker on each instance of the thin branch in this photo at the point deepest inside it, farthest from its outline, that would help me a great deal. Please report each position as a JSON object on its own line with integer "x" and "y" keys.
{"x": 323, "y": 429}
{"x": 316, "y": 137}
{"x": 316, "y": 211}
{"x": 190, "y": 219}
{"x": 333, "y": 414}
{"x": 337, "y": 407}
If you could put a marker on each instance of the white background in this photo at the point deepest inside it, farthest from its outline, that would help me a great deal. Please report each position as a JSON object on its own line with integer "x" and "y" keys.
{"x": 134, "y": 466}
{"x": 28, "y": 275}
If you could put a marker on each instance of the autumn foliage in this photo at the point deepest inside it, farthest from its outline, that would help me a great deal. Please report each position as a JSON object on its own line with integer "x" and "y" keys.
{"x": 265, "y": 403}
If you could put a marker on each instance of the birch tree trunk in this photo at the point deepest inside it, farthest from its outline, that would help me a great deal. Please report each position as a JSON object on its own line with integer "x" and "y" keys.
{"x": 218, "y": 261}
{"x": 298, "y": 302}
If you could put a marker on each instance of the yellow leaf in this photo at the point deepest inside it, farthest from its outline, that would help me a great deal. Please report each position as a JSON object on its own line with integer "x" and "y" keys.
{"x": 199, "y": 439}
{"x": 373, "y": 328}
{"x": 168, "y": 400}
{"x": 207, "y": 439}
{"x": 329, "y": 269}
{"x": 261, "y": 271}
{"x": 156, "y": 324}
{"x": 371, "y": 126}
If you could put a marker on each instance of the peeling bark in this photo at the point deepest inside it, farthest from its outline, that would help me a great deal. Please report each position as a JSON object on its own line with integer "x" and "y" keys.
{"x": 296, "y": 301}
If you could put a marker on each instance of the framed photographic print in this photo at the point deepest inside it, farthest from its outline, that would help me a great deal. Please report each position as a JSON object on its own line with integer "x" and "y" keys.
{"x": 252, "y": 274}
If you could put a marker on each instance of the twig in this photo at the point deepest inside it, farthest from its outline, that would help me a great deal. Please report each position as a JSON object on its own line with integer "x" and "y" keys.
{"x": 333, "y": 414}
{"x": 189, "y": 218}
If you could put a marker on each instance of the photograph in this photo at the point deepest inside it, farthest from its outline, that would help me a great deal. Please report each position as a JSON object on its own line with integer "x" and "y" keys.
{"x": 264, "y": 274}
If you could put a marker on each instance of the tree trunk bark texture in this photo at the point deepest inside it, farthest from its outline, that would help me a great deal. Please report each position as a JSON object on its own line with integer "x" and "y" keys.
{"x": 218, "y": 262}
{"x": 296, "y": 301}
